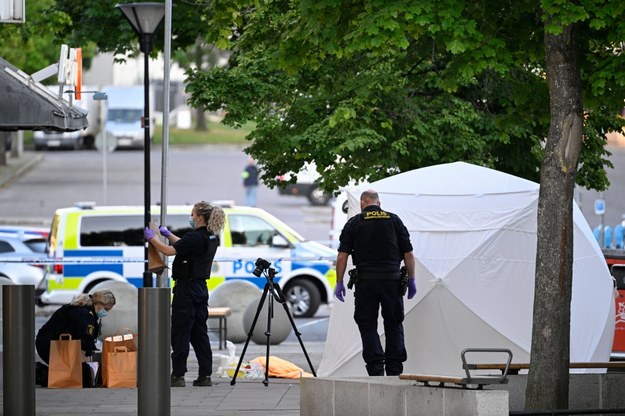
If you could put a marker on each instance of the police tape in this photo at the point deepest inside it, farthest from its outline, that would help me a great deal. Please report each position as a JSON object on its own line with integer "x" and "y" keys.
{"x": 120, "y": 260}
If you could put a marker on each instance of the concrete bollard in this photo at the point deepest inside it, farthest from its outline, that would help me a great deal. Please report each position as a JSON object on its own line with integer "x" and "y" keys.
{"x": 123, "y": 317}
{"x": 280, "y": 324}
{"x": 237, "y": 295}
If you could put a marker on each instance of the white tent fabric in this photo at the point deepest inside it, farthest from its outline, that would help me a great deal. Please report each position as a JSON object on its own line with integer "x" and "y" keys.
{"x": 473, "y": 231}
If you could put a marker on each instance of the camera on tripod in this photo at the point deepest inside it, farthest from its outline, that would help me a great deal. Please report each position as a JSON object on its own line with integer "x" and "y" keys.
{"x": 261, "y": 266}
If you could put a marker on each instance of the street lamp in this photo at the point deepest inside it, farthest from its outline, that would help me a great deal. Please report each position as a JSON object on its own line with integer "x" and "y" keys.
{"x": 145, "y": 18}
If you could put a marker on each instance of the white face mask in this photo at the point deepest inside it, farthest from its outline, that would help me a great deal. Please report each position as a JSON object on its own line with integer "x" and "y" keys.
{"x": 191, "y": 223}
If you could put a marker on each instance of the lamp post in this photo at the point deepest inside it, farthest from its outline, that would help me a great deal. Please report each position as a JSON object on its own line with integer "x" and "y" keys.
{"x": 145, "y": 18}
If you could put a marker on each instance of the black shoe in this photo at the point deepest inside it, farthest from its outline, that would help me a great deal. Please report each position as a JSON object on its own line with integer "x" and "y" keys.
{"x": 177, "y": 381}
{"x": 203, "y": 381}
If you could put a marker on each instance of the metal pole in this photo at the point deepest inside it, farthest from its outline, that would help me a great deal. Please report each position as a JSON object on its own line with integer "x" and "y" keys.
{"x": 104, "y": 168}
{"x": 162, "y": 280}
{"x": 147, "y": 46}
{"x": 154, "y": 395}
{"x": 18, "y": 361}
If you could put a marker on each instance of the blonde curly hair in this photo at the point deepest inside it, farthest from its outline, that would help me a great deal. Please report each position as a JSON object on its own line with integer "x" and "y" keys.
{"x": 102, "y": 297}
{"x": 213, "y": 215}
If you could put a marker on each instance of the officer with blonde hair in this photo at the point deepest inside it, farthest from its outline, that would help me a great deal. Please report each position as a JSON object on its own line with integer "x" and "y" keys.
{"x": 80, "y": 318}
{"x": 192, "y": 265}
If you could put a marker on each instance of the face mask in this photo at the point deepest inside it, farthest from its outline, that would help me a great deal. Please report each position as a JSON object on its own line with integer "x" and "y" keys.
{"x": 191, "y": 223}
{"x": 101, "y": 313}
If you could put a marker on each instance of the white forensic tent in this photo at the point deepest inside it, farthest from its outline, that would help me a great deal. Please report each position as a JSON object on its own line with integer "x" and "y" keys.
{"x": 473, "y": 231}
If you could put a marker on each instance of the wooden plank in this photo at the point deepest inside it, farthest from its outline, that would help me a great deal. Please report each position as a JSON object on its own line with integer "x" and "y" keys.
{"x": 219, "y": 312}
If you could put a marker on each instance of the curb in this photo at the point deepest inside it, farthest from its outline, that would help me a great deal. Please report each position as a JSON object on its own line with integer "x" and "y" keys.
{"x": 17, "y": 168}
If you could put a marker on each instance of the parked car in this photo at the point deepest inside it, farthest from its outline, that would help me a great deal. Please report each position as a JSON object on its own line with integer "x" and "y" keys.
{"x": 14, "y": 266}
{"x": 307, "y": 185}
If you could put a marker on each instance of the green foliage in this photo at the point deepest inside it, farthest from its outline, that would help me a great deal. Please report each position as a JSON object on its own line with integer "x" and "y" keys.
{"x": 368, "y": 88}
{"x": 36, "y": 43}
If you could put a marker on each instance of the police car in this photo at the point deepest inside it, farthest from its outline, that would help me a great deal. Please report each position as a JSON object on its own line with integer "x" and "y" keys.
{"x": 94, "y": 244}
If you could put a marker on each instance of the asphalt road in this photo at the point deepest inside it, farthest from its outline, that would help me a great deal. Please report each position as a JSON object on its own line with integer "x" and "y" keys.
{"x": 196, "y": 173}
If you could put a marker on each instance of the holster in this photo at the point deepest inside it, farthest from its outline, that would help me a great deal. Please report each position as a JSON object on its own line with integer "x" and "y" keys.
{"x": 353, "y": 278}
{"x": 403, "y": 276}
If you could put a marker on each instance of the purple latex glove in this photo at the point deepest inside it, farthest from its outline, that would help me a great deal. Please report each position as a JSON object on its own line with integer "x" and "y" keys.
{"x": 148, "y": 233}
{"x": 339, "y": 291}
{"x": 164, "y": 231}
{"x": 412, "y": 288}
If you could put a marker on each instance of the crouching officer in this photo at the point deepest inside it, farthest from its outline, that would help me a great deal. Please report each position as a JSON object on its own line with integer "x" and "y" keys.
{"x": 81, "y": 319}
{"x": 194, "y": 253}
{"x": 378, "y": 241}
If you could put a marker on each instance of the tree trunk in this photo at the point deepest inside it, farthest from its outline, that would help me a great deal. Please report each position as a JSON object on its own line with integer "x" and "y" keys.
{"x": 548, "y": 379}
{"x": 200, "y": 120}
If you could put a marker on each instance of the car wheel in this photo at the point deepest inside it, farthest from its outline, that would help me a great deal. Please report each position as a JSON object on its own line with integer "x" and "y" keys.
{"x": 304, "y": 298}
{"x": 318, "y": 197}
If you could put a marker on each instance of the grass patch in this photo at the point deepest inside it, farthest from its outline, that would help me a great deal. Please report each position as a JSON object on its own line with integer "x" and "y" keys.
{"x": 215, "y": 134}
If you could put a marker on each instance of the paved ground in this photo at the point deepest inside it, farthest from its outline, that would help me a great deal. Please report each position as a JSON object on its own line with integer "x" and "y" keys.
{"x": 245, "y": 398}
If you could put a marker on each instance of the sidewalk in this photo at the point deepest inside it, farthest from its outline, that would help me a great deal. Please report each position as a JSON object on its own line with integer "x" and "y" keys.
{"x": 16, "y": 166}
{"x": 245, "y": 398}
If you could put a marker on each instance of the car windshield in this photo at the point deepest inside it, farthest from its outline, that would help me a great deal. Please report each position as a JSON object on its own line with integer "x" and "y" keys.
{"x": 38, "y": 245}
{"x": 125, "y": 115}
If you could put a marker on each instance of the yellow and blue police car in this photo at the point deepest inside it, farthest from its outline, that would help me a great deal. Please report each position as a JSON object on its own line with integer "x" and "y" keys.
{"x": 90, "y": 244}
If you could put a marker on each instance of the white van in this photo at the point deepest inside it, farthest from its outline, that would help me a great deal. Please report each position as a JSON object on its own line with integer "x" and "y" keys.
{"x": 304, "y": 269}
{"x": 123, "y": 111}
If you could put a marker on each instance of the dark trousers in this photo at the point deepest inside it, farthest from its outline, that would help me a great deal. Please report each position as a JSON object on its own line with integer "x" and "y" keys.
{"x": 189, "y": 313}
{"x": 43, "y": 348}
{"x": 370, "y": 295}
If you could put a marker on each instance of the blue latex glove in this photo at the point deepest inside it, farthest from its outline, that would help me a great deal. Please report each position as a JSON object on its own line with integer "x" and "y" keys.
{"x": 339, "y": 291}
{"x": 164, "y": 231}
{"x": 412, "y": 288}
{"x": 148, "y": 233}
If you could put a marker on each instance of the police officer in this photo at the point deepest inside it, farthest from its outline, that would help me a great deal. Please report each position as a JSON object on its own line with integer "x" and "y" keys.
{"x": 378, "y": 241}
{"x": 194, "y": 253}
{"x": 80, "y": 318}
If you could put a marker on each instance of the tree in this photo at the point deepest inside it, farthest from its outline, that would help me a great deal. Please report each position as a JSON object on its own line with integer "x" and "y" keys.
{"x": 385, "y": 87}
{"x": 202, "y": 56}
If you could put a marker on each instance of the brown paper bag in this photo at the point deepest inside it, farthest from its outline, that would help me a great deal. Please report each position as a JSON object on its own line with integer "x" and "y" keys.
{"x": 129, "y": 341}
{"x": 122, "y": 368}
{"x": 155, "y": 263}
{"x": 65, "y": 370}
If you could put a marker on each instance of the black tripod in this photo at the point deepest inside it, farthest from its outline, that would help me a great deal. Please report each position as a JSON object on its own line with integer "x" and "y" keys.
{"x": 273, "y": 291}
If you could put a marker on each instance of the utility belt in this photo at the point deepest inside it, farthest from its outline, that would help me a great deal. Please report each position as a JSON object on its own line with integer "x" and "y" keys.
{"x": 179, "y": 280}
{"x": 356, "y": 276}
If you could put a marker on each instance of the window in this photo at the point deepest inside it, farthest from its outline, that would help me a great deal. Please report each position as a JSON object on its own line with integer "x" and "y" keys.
{"x": 112, "y": 231}
{"x": 5, "y": 247}
{"x": 250, "y": 231}
{"x": 123, "y": 230}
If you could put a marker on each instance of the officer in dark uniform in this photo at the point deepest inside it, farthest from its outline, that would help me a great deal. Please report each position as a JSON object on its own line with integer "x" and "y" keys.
{"x": 378, "y": 241}
{"x": 80, "y": 318}
{"x": 192, "y": 265}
